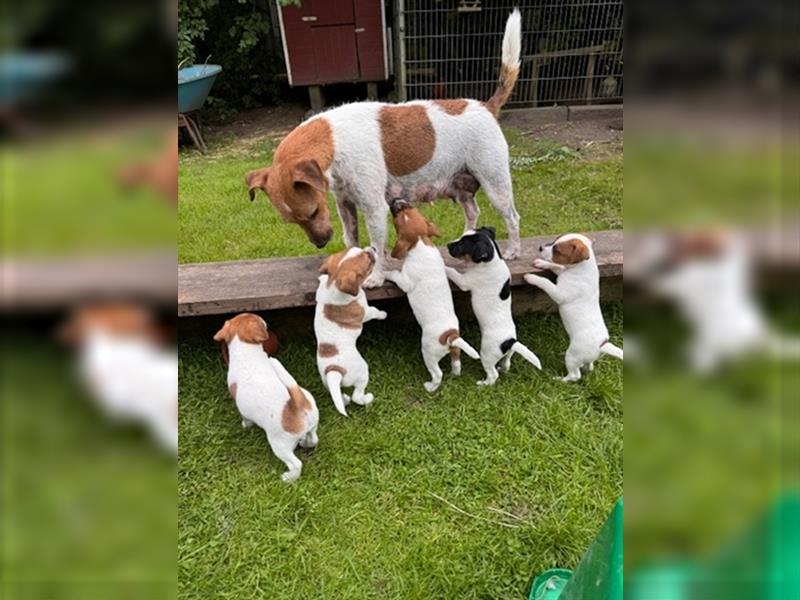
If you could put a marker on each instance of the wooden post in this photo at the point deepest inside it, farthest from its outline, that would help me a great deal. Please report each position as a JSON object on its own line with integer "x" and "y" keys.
{"x": 317, "y": 97}
{"x": 535, "y": 81}
{"x": 588, "y": 84}
{"x": 372, "y": 90}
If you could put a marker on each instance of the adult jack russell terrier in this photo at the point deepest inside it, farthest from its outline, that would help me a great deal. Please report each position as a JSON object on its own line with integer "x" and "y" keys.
{"x": 369, "y": 153}
{"x": 123, "y": 363}
{"x": 266, "y": 394}
{"x": 577, "y": 293}
{"x": 424, "y": 281}
{"x": 489, "y": 282}
{"x": 342, "y": 310}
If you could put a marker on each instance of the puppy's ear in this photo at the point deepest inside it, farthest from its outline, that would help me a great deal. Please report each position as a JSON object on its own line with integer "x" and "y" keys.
{"x": 257, "y": 180}
{"x": 254, "y": 331}
{"x": 223, "y": 335}
{"x": 348, "y": 282}
{"x": 570, "y": 252}
{"x": 490, "y": 231}
{"x": 433, "y": 231}
{"x": 400, "y": 249}
{"x": 310, "y": 173}
{"x": 223, "y": 350}
{"x": 325, "y": 267}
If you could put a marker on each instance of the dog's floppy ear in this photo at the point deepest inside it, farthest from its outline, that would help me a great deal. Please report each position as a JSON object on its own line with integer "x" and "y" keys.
{"x": 400, "y": 249}
{"x": 257, "y": 180}
{"x": 310, "y": 173}
{"x": 570, "y": 252}
{"x": 482, "y": 251}
{"x": 223, "y": 335}
{"x": 347, "y": 282}
{"x": 325, "y": 267}
{"x": 490, "y": 231}
{"x": 433, "y": 231}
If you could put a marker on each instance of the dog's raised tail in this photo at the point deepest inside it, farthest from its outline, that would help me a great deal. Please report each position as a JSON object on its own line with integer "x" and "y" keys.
{"x": 509, "y": 66}
{"x": 334, "y": 381}
{"x": 527, "y": 354}
{"x": 611, "y": 350}
{"x": 465, "y": 347}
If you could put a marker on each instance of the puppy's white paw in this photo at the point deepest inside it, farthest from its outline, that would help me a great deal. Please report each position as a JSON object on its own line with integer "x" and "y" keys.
{"x": 381, "y": 315}
{"x": 290, "y": 476}
{"x": 531, "y": 279}
{"x": 540, "y": 263}
{"x": 570, "y": 378}
{"x": 246, "y": 423}
{"x": 455, "y": 370}
{"x": 374, "y": 280}
{"x": 430, "y": 386}
{"x": 346, "y": 399}
{"x": 486, "y": 382}
{"x": 364, "y": 400}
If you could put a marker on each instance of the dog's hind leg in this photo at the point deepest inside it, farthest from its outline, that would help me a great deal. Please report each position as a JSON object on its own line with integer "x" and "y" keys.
{"x": 455, "y": 361}
{"x": 283, "y": 448}
{"x": 349, "y": 218}
{"x": 464, "y": 187}
{"x": 573, "y": 366}
{"x": 501, "y": 196}
{"x": 432, "y": 364}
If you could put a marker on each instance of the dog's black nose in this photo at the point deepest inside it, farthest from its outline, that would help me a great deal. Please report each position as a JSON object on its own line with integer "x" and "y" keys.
{"x": 320, "y": 243}
{"x": 541, "y": 248}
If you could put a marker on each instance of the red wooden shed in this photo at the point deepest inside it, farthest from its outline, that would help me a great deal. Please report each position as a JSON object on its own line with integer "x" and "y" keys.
{"x": 334, "y": 41}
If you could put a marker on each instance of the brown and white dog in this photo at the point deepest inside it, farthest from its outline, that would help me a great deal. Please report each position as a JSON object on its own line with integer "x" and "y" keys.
{"x": 266, "y": 394}
{"x": 424, "y": 280}
{"x": 577, "y": 294}
{"x": 369, "y": 153}
{"x": 342, "y": 310}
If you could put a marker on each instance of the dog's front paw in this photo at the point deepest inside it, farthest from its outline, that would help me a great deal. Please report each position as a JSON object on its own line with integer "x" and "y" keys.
{"x": 541, "y": 263}
{"x": 291, "y": 476}
{"x": 532, "y": 279}
{"x": 486, "y": 382}
{"x": 381, "y": 315}
{"x": 374, "y": 280}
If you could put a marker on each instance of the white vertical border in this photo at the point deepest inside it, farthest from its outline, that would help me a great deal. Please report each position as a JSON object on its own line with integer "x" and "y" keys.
{"x": 283, "y": 40}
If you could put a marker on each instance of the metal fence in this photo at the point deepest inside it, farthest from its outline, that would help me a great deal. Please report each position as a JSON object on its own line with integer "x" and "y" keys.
{"x": 571, "y": 50}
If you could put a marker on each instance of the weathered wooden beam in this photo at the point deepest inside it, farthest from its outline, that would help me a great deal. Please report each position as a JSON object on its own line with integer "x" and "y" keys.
{"x": 278, "y": 283}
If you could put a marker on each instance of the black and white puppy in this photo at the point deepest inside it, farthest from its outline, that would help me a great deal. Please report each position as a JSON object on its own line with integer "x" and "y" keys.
{"x": 489, "y": 282}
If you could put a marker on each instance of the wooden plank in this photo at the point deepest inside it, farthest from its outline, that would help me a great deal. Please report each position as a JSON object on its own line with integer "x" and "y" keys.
{"x": 277, "y": 283}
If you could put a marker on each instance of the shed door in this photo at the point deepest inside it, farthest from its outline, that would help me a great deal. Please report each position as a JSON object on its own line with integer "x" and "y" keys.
{"x": 335, "y": 56}
{"x": 329, "y": 12}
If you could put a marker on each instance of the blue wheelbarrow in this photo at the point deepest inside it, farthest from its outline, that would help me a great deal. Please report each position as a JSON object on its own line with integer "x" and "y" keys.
{"x": 194, "y": 84}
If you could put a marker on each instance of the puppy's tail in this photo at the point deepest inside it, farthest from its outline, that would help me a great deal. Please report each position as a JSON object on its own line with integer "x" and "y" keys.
{"x": 509, "y": 66}
{"x": 525, "y": 352}
{"x": 334, "y": 381}
{"x": 611, "y": 350}
{"x": 462, "y": 345}
{"x": 284, "y": 375}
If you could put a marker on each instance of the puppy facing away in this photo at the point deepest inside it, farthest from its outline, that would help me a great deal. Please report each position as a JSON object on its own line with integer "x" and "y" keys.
{"x": 368, "y": 153}
{"x": 124, "y": 365}
{"x": 266, "y": 394}
{"x": 577, "y": 293}
{"x": 424, "y": 280}
{"x": 341, "y": 311}
{"x": 489, "y": 282}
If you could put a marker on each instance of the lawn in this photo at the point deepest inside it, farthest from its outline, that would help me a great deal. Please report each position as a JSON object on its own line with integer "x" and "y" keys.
{"x": 466, "y": 493}
{"x": 556, "y": 190}
{"x": 536, "y": 464}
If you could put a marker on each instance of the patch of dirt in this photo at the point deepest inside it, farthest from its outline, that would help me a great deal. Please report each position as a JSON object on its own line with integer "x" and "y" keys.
{"x": 258, "y": 124}
{"x": 595, "y": 139}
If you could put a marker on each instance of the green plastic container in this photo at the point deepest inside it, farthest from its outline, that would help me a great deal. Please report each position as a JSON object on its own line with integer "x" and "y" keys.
{"x": 599, "y": 574}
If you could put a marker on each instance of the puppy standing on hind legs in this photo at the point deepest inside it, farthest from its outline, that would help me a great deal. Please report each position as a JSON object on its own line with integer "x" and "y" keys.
{"x": 489, "y": 282}
{"x": 341, "y": 311}
{"x": 424, "y": 281}
{"x": 577, "y": 294}
{"x": 266, "y": 394}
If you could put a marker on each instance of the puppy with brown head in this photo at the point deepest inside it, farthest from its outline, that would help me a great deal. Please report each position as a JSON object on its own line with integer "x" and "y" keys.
{"x": 341, "y": 311}
{"x": 125, "y": 366}
{"x": 424, "y": 280}
{"x": 266, "y": 394}
{"x": 577, "y": 293}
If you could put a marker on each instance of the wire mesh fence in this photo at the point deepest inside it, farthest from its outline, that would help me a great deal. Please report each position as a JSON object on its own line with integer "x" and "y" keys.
{"x": 571, "y": 50}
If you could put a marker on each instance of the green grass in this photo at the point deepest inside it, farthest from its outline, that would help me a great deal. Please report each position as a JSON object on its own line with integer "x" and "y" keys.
{"x": 556, "y": 190}
{"x": 371, "y": 516}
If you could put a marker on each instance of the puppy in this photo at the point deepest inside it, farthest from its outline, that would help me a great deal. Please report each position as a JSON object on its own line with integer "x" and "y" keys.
{"x": 489, "y": 282}
{"x": 424, "y": 280}
{"x": 266, "y": 394}
{"x": 577, "y": 293}
{"x": 368, "y": 153}
{"x": 341, "y": 311}
{"x": 124, "y": 365}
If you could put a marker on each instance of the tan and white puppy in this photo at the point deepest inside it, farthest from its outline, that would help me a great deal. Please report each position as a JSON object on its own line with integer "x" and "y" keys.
{"x": 488, "y": 281}
{"x": 266, "y": 394}
{"x": 126, "y": 368}
{"x": 368, "y": 153}
{"x": 577, "y": 293}
{"x": 424, "y": 280}
{"x": 342, "y": 310}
